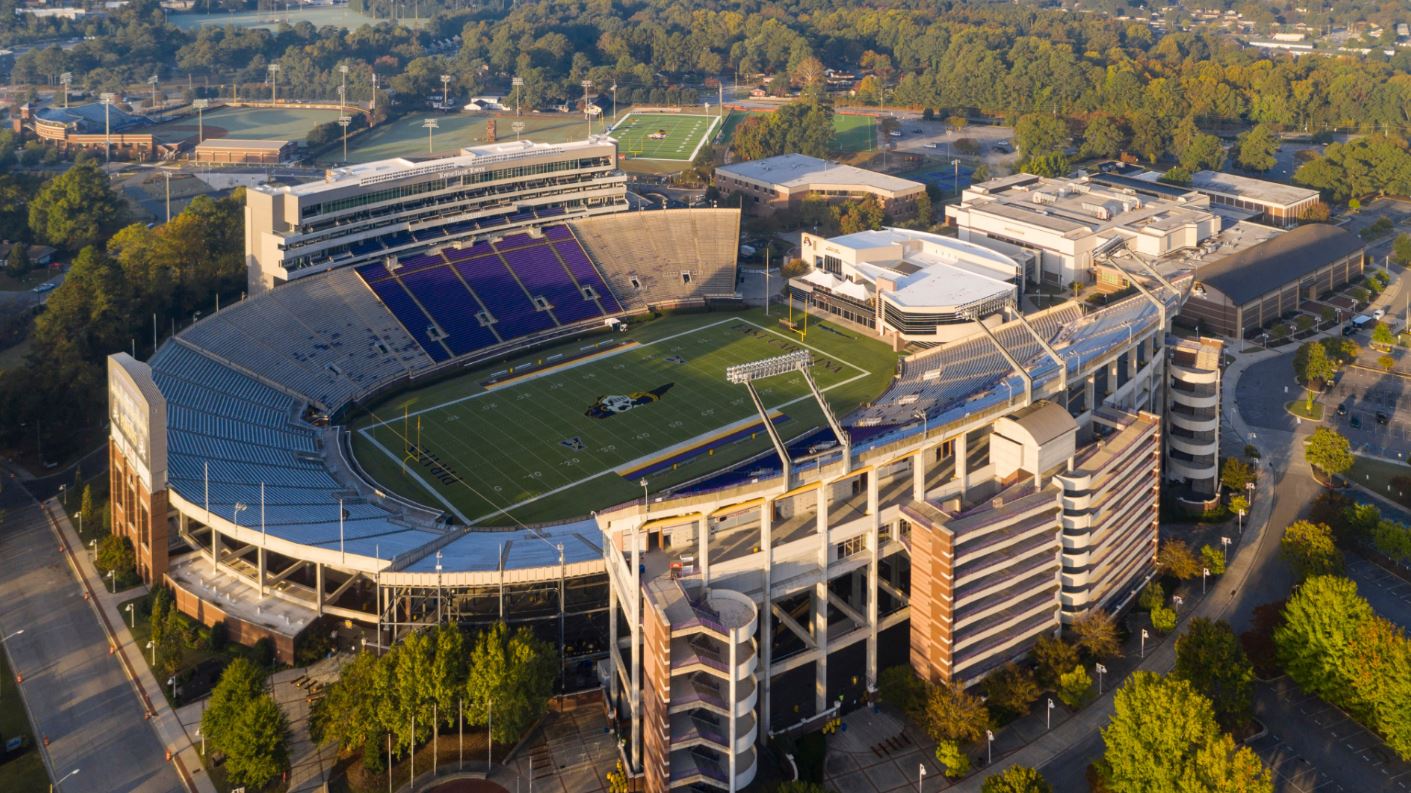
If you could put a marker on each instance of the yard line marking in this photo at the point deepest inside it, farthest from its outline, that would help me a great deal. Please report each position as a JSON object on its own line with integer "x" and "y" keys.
{"x": 417, "y": 476}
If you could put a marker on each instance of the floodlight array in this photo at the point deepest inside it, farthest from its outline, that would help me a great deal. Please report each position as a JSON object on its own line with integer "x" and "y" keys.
{"x": 769, "y": 367}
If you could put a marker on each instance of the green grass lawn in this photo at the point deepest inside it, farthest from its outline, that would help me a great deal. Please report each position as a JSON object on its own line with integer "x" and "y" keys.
{"x": 853, "y": 134}
{"x": 531, "y": 447}
{"x": 1379, "y": 477}
{"x": 260, "y": 123}
{"x": 681, "y": 134}
{"x": 1300, "y": 408}
{"x": 23, "y": 773}
{"x": 405, "y": 137}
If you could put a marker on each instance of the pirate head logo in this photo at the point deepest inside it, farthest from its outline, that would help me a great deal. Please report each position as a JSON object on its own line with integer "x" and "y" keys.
{"x": 605, "y": 407}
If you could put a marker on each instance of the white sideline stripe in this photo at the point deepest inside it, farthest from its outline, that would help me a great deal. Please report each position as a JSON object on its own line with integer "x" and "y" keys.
{"x": 505, "y": 510}
{"x": 413, "y": 473}
{"x": 705, "y": 136}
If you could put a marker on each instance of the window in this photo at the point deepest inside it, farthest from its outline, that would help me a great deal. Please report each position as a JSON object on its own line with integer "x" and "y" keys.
{"x": 541, "y": 304}
{"x": 852, "y": 547}
{"x": 634, "y": 281}
{"x": 589, "y": 293}
{"x": 685, "y": 277}
{"x": 484, "y": 318}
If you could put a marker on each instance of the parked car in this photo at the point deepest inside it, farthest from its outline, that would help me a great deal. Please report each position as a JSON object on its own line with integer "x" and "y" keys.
{"x": 930, "y": 145}
{"x": 1382, "y": 418}
{"x": 1356, "y": 422}
{"x": 1342, "y": 409}
{"x": 1379, "y": 313}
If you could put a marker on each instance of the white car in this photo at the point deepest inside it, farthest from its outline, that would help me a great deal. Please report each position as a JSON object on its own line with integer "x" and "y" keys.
{"x": 895, "y": 133}
{"x": 1379, "y": 313}
{"x": 930, "y": 145}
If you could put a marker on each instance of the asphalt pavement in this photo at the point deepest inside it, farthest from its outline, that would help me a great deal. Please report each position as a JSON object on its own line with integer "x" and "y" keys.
{"x": 75, "y": 692}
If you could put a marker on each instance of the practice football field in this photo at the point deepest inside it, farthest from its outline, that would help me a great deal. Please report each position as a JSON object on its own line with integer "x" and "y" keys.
{"x": 662, "y": 136}
{"x": 573, "y": 428}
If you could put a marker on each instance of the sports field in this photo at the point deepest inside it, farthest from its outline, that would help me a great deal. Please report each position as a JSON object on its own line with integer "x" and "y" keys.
{"x": 851, "y": 134}
{"x": 662, "y": 136}
{"x": 406, "y": 137}
{"x": 324, "y": 16}
{"x": 573, "y": 429}
{"x": 260, "y": 123}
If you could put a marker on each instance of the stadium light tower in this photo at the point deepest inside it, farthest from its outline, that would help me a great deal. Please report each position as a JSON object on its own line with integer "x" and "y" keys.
{"x": 587, "y": 84}
{"x": 152, "y": 81}
{"x": 66, "y": 79}
{"x": 445, "y": 91}
{"x": 343, "y": 89}
{"x": 107, "y": 100}
{"x": 274, "y": 83}
{"x": 518, "y": 83}
{"x": 200, "y": 105}
{"x": 800, "y": 361}
{"x": 518, "y": 127}
{"x": 431, "y": 126}
{"x": 167, "y": 176}
{"x": 614, "y": 104}
{"x": 344, "y": 121}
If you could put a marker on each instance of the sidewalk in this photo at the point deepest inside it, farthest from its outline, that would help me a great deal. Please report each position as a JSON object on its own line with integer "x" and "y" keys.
{"x": 163, "y": 719}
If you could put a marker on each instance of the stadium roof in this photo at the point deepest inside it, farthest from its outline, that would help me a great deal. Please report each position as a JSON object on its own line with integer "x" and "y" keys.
{"x": 801, "y": 172}
{"x": 1256, "y": 271}
{"x": 240, "y": 144}
{"x": 89, "y": 117}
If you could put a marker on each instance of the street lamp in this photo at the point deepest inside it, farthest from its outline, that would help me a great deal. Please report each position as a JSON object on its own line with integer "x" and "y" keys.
{"x": 167, "y": 176}
{"x": 240, "y": 506}
{"x": 113, "y": 581}
{"x": 66, "y": 79}
{"x": 344, "y": 121}
{"x": 1144, "y": 638}
{"x": 200, "y": 105}
{"x": 956, "y": 164}
{"x": 587, "y": 84}
{"x": 517, "y": 82}
{"x": 152, "y": 81}
{"x": 107, "y": 99}
{"x": 1204, "y": 574}
{"x": 1225, "y": 546}
{"x": 1048, "y": 715}
{"x": 151, "y": 645}
{"x": 920, "y": 775}
{"x": 64, "y": 495}
{"x": 274, "y": 83}
{"x": 11, "y": 636}
{"x": 921, "y": 416}
{"x": 55, "y": 786}
{"x": 445, "y": 91}
{"x": 131, "y": 616}
{"x": 431, "y": 126}
{"x": 343, "y": 89}
{"x": 989, "y": 747}
{"x": 1101, "y": 670}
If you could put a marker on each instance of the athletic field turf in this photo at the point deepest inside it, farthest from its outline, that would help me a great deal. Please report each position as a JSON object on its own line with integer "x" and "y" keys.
{"x": 662, "y": 136}
{"x": 572, "y": 429}
{"x": 406, "y": 137}
{"x": 853, "y": 134}
{"x": 260, "y": 123}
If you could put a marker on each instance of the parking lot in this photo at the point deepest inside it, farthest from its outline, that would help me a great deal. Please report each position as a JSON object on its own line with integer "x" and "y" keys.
{"x": 1369, "y": 408}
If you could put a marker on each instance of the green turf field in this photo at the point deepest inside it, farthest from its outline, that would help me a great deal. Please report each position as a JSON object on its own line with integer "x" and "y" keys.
{"x": 681, "y": 135}
{"x": 406, "y": 137}
{"x": 853, "y": 134}
{"x": 530, "y": 447}
{"x": 260, "y": 123}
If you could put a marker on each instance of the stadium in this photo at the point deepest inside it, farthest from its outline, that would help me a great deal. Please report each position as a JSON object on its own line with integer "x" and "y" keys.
{"x": 727, "y": 519}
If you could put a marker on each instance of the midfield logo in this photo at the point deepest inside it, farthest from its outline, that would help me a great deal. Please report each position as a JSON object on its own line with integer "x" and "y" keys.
{"x": 605, "y": 407}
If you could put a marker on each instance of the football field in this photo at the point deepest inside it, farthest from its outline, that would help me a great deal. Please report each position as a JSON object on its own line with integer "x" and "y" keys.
{"x": 663, "y": 136}
{"x": 556, "y": 433}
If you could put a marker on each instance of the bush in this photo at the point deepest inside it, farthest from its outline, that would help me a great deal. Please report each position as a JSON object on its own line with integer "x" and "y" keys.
{"x": 1055, "y": 657}
{"x": 1153, "y": 596}
{"x": 115, "y": 553}
{"x": 1163, "y": 619}
{"x": 1073, "y": 686}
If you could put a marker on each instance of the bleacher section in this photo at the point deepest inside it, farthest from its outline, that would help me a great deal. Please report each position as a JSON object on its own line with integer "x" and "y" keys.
{"x": 645, "y": 254}
{"x": 228, "y": 434}
{"x": 325, "y": 338}
{"x": 466, "y": 298}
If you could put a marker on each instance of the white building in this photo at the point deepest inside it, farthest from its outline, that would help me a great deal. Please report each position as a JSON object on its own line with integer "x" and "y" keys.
{"x": 1066, "y": 221}
{"x": 372, "y": 211}
{"x": 910, "y": 286}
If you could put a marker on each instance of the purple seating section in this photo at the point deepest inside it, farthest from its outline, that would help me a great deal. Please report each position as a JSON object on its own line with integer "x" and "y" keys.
{"x": 505, "y": 276}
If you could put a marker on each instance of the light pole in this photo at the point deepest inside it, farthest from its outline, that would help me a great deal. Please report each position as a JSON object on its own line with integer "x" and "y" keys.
{"x": 240, "y": 506}
{"x": 517, "y": 82}
{"x": 431, "y": 126}
{"x": 1204, "y": 574}
{"x": 344, "y": 121}
{"x": 131, "y": 616}
{"x": 107, "y": 100}
{"x": 152, "y": 81}
{"x": 1144, "y": 638}
{"x": 920, "y": 775}
{"x": 1177, "y": 601}
{"x": 200, "y": 105}
{"x": 113, "y": 581}
{"x": 1101, "y": 670}
{"x": 587, "y": 84}
{"x": 151, "y": 645}
{"x": 490, "y": 735}
{"x": 1239, "y": 524}
{"x": 343, "y": 89}
{"x": 923, "y": 418}
{"x": 989, "y": 747}
{"x": 438, "y": 586}
{"x": 445, "y": 91}
{"x": 1048, "y": 715}
{"x": 4, "y": 639}
{"x": 274, "y": 83}
{"x": 167, "y": 176}
{"x": 93, "y": 546}
{"x": 956, "y": 164}
{"x": 66, "y": 79}
{"x": 518, "y": 127}
{"x": 64, "y": 495}
{"x": 1225, "y": 546}
{"x": 56, "y": 785}
{"x": 614, "y": 104}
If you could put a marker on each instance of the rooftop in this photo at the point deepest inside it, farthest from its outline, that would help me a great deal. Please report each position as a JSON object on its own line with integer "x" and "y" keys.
{"x": 1251, "y": 189}
{"x": 242, "y": 143}
{"x": 1255, "y": 271}
{"x": 799, "y": 171}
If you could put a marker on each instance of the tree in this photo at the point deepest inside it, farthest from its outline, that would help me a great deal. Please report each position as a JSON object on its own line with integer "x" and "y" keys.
{"x": 1050, "y": 164}
{"x": 175, "y": 639}
{"x": 1382, "y": 336}
{"x": 1203, "y": 153}
{"x": 1073, "y": 686}
{"x": 1103, "y": 137}
{"x": 1239, "y": 504}
{"x": 618, "y": 783}
{"x": 114, "y": 553}
{"x": 1386, "y": 361}
{"x": 1177, "y": 175}
{"x": 448, "y": 672}
{"x": 1175, "y": 559}
{"x": 85, "y": 505}
{"x": 1163, "y": 619}
{"x": 1095, "y": 632}
{"x": 1011, "y": 689}
{"x": 1312, "y": 366}
{"x": 1401, "y": 249}
{"x": 1054, "y": 657}
{"x": 863, "y": 215}
{"x": 954, "y": 717}
{"x": 1212, "y": 559}
{"x": 1153, "y": 595}
{"x": 1163, "y": 736}
{"x": 257, "y": 751}
{"x": 514, "y": 673}
{"x": 77, "y": 208}
{"x": 952, "y": 758}
{"x": 240, "y": 683}
{"x": 1379, "y": 657}
{"x": 1341, "y": 350}
{"x": 1210, "y": 657}
{"x": 346, "y": 714}
{"x": 1040, "y": 133}
{"x": 1236, "y": 474}
{"x": 1016, "y": 779}
{"x": 1328, "y": 452}
{"x": 1312, "y": 644}
{"x": 1309, "y": 549}
{"x": 17, "y": 264}
{"x": 1257, "y": 148}
{"x": 900, "y": 686}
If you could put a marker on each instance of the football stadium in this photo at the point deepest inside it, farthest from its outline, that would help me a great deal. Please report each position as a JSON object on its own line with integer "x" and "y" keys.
{"x": 663, "y": 136}
{"x": 476, "y": 397}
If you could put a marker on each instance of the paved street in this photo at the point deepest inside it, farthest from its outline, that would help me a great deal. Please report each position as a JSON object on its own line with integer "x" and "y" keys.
{"x": 76, "y": 692}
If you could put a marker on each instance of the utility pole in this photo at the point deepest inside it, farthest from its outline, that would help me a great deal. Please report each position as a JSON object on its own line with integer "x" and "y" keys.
{"x": 107, "y": 99}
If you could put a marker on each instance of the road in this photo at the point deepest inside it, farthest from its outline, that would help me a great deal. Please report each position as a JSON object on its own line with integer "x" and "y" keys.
{"x": 76, "y": 693}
